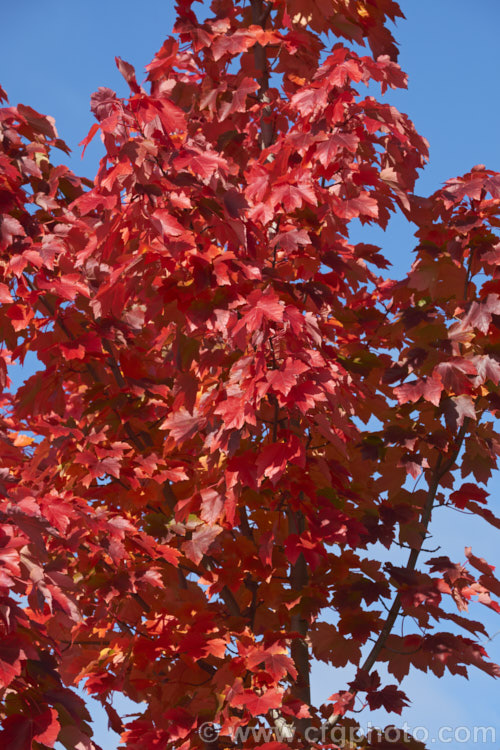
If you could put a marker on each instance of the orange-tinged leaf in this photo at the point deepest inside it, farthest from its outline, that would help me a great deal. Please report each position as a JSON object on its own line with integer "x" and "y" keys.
{"x": 21, "y": 441}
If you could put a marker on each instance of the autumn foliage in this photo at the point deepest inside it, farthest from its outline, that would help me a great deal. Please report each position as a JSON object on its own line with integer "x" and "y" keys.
{"x": 202, "y": 487}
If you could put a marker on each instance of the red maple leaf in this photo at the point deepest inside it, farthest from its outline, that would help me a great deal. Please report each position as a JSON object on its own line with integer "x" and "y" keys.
{"x": 258, "y": 704}
{"x": 468, "y": 491}
{"x": 389, "y": 698}
{"x": 273, "y": 459}
{"x": 200, "y": 542}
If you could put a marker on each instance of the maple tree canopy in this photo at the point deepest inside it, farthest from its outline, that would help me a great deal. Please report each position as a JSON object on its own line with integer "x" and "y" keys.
{"x": 196, "y": 485}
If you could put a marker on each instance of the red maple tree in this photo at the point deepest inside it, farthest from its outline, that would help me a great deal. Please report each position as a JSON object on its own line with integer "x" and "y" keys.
{"x": 196, "y": 484}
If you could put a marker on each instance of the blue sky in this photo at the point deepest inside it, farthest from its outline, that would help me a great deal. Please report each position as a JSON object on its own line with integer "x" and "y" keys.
{"x": 53, "y": 55}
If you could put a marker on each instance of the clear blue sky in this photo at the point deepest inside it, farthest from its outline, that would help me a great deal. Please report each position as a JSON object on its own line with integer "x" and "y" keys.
{"x": 54, "y": 54}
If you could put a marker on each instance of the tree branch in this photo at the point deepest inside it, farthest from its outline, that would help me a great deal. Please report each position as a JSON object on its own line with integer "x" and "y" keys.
{"x": 260, "y": 13}
{"x": 438, "y": 473}
{"x": 299, "y": 649}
